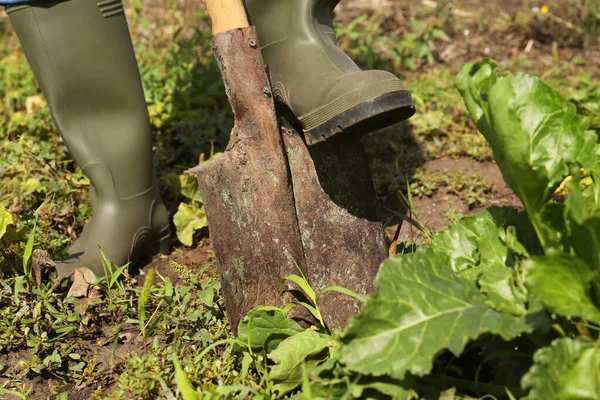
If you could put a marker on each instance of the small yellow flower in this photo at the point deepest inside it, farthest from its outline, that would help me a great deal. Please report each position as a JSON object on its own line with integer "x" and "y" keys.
{"x": 562, "y": 189}
{"x": 544, "y": 10}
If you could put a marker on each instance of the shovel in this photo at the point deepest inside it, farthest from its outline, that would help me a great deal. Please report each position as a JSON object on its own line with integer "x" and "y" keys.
{"x": 276, "y": 207}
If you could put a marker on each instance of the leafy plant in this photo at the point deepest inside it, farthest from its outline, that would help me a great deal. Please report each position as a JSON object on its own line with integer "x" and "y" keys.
{"x": 536, "y": 138}
{"x": 190, "y": 217}
{"x": 314, "y": 298}
{"x": 11, "y": 240}
{"x": 147, "y": 325}
{"x": 486, "y": 286}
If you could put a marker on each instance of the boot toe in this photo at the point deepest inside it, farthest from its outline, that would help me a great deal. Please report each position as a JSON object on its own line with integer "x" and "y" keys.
{"x": 77, "y": 260}
{"x": 364, "y": 85}
{"x": 359, "y": 102}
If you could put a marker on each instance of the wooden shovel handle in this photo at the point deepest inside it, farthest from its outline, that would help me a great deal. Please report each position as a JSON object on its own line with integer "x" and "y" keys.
{"x": 226, "y": 15}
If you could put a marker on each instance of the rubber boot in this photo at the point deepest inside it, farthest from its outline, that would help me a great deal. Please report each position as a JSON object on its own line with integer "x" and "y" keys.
{"x": 327, "y": 92}
{"x": 81, "y": 54}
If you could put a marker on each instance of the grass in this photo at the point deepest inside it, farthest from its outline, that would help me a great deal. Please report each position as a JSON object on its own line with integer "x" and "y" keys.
{"x": 129, "y": 342}
{"x": 124, "y": 342}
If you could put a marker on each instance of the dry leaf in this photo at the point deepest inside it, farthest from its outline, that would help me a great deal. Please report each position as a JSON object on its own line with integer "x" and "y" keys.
{"x": 82, "y": 279}
{"x": 34, "y": 103}
{"x": 42, "y": 267}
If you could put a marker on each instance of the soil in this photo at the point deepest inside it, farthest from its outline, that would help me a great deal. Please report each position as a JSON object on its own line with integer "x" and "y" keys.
{"x": 40, "y": 387}
{"x": 434, "y": 211}
{"x": 194, "y": 258}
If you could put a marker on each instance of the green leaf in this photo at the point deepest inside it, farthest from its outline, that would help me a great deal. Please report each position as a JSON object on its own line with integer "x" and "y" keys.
{"x": 29, "y": 249}
{"x": 439, "y": 34}
{"x": 62, "y": 396}
{"x": 474, "y": 241}
{"x": 342, "y": 290}
{"x": 303, "y": 284}
{"x": 583, "y": 226}
{"x": 143, "y": 300}
{"x": 190, "y": 188}
{"x": 116, "y": 274}
{"x": 187, "y": 220}
{"x": 567, "y": 369}
{"x": 393, "y": 390}
{"x": 208, "y": 294}
{"x": 265, "y": 329}
{"x": 12, "y": 235}
{"x": 504, "y": 289}
{"x": 510, "y": 395}
{"x": 137, "y": 6}
{"x": 239, "y": 390}
{"x": 576, "y": 203}
{"x": 246, "y": 363}
{"x": 5, "y": 221}
{"x": 475, "y": 250}
{"x": 313, "y": 310}
{"x": 593, "y": 191}
{"x": 554, "y": 225}
{"x": 449, "y": 394}
{"x": 582, "y": 381}
{"x": 306, "y": 389}
{"x": 31, "y": 186}
{"x": 562, "y": 283}
{"x": 174, "y": 183}
{"x": 323, "y": 383}
{"x": 401, "y": 328}
{"x": 183, "y": 382}
{"x": 410, "y": 64}
{"x": 305, "y": 347}
{"x": 535, "y": 135}
{"x": 12, "y": 393}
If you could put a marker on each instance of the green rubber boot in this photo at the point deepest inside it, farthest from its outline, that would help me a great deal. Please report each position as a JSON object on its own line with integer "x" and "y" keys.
{"x": 81, "y": 54}
{"x": 326, "y": 91}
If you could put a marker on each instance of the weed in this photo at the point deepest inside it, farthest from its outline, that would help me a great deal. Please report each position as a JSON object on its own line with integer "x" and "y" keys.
{"x": 366, "y": 42}
{"x": 473, "y": 187}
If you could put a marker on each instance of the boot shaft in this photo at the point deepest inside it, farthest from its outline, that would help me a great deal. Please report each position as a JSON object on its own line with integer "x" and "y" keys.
{"x": 325, "y": 90}
{"x": 299, "y": 47}
{"x": 275, "y": 20}
{"x": 81, "y": 54}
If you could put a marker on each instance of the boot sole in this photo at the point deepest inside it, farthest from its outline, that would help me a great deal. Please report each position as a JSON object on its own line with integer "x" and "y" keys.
{"x": 144, "y": 256}
{"x": 366, "y": 117}
{"x": 140, "y": 258}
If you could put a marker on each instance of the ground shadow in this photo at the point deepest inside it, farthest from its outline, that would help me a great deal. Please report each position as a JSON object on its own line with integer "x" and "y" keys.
{"x": 363, "y": 172}
{"x": 394, "y": 155}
